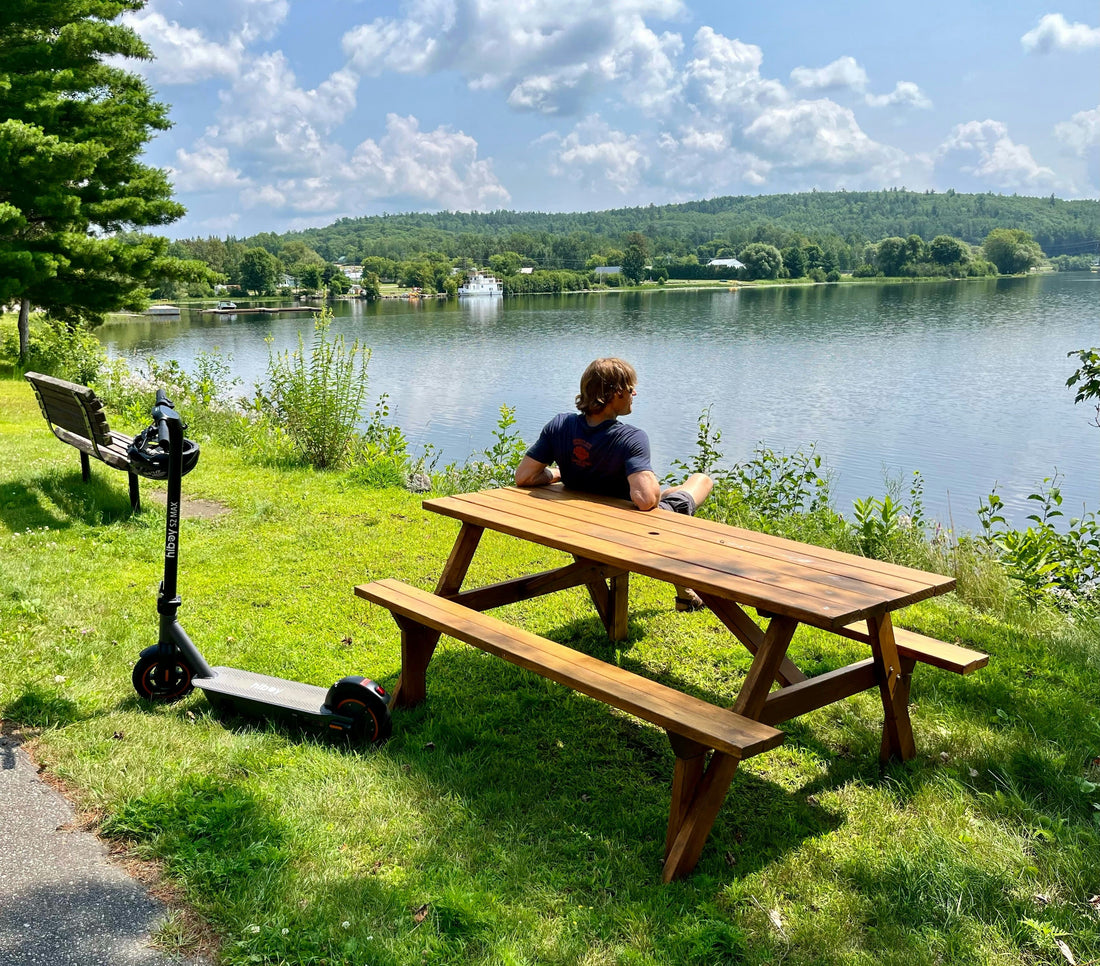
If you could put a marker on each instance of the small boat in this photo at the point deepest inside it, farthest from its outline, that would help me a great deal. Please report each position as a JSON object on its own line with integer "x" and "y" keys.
{"x": 478, "y": 284}
{"x": 227, "y": 305}
{"x": 163, "y": 310}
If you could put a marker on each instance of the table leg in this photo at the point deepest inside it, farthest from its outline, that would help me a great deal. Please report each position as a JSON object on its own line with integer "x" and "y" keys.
{"x": 897, "y": 733}
{"x": 745, "y": 630}
{"x": 697, "y": 791}
{"x": 462, "y": 553}
{"x": 417, "y": 647}
{"x": 612, "y": 602}
{"x": 418, "y": 642}
{"x": 618, "y": 607}
{"x": 698, "y": 794}
{"x": 765, "y": 667}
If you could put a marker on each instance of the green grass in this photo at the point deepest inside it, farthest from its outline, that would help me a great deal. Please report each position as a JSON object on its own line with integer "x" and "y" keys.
{"x": 509, "y": 821}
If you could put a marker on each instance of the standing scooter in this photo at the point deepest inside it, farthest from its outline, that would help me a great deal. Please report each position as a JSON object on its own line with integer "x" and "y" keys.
{"x": 354, "y": 707}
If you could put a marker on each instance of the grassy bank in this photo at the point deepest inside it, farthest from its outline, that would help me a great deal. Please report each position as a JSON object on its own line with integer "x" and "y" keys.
{"x": 509, "y": 821}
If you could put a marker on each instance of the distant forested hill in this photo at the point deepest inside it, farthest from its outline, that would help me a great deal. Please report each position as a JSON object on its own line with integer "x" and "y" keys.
{"x": 703, "y": 227}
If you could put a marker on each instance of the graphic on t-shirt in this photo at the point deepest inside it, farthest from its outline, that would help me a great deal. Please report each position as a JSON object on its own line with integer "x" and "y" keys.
{"x": 581, "y": 453}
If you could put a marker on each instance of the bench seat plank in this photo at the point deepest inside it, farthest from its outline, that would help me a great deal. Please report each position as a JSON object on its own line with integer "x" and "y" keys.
{"x": 928, "y": 650}
{"x": 682, "y": 714}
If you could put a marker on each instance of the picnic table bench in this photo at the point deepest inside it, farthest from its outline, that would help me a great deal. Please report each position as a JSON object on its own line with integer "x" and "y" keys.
{"x": 785, "y": 582}
{"x": 75, "y": 414}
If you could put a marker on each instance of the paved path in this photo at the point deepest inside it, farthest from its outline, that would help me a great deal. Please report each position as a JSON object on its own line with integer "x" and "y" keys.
{"x": 62, "y": 902}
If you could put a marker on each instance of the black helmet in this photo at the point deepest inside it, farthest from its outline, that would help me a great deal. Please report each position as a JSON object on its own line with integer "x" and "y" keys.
{"x": 149, "y": 460}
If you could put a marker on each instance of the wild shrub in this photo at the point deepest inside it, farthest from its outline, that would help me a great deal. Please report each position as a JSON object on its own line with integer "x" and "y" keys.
{"x": 68, "y": 352}
{"x": 1048, "y": 565}
{"x": 317, "y": 396}
{"x": 379, "y": 455}
{"x": 495, "y": 466}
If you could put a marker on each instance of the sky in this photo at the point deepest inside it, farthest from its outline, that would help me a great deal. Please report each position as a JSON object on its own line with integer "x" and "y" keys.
{"x": 291, "y": 114}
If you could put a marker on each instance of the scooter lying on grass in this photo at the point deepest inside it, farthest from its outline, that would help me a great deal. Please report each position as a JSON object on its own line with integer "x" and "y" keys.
{"x": 354, "y": 707}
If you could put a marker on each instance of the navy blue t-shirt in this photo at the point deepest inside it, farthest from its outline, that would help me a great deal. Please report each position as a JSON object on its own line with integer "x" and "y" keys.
{"x": 595, "y": 459}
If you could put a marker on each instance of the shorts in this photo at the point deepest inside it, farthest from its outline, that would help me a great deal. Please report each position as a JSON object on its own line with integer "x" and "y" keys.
{"x": 678, "y": 501}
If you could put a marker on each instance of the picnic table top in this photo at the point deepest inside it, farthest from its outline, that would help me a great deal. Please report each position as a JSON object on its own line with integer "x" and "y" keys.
{"x": 823, "y": 587}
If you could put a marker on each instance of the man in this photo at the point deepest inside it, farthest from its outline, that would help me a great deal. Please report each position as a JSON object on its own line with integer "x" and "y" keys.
{"x": 595, "y": 452}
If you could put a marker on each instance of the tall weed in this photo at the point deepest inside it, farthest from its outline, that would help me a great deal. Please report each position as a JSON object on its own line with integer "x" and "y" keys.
{"x": 317, "y": 396}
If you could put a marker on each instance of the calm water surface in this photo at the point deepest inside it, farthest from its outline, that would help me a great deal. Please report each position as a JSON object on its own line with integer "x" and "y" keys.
{"x": 964, "y": 382}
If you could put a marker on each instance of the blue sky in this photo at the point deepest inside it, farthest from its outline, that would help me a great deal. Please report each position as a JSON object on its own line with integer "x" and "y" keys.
{"x": 293, "y": 113}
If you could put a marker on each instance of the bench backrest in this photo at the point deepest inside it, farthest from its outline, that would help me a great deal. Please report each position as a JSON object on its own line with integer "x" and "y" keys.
{"x": 71, "y": 407}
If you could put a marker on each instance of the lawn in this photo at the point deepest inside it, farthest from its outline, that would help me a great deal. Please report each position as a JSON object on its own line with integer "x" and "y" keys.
{"x": 509, "y": 821}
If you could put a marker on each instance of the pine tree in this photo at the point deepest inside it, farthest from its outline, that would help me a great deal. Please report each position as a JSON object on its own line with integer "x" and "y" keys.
{"x": 73, "y": 192}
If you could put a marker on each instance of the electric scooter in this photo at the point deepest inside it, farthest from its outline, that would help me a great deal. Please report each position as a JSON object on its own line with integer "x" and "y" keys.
{"x": 354, "y": 707}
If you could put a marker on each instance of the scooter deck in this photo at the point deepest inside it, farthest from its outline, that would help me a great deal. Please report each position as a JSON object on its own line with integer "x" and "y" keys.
{"x": 259, "y": 692}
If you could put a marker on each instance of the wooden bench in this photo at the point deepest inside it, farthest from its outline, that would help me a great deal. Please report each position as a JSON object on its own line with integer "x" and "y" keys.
{"x": 75, "y": 415}
{"x": 694, "y": 727}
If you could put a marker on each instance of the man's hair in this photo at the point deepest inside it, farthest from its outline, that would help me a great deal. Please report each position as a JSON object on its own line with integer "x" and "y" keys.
{"x": 602, "y": 380}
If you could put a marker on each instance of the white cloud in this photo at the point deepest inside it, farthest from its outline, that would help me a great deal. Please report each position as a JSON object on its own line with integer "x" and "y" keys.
{"x": 550, "y": 58}
{"x": 206, "y": 168}
{"x": 1080, "y": 132}
{"x": 595, "y": 153}
{"x": 266, "y": 115}
{"x": 440, "y": 167}
{"x": 724, "y": 77}
{"x": 842, "y": 73}
{"x": 904, "y": 94}
{"x": 183, "y": 54}
{"x": 819, "y": 135}
{"x": 984, "y": 149}
{"x": 214, "y": 42}
{"x": 1054, "y": 32}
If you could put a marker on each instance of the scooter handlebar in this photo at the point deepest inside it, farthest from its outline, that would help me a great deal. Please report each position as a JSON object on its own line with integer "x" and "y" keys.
{"x": 160, "y": 416}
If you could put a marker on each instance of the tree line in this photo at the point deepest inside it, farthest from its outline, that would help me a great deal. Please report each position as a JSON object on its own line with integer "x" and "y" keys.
{"x": 291, "y": 262}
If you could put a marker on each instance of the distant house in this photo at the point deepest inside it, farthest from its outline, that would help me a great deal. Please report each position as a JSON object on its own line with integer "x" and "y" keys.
{"x": 608, "y": 270}
{"x": 725, "y": 263}
{"x": 526, "y": 270}
{"x": 353, "y": 272}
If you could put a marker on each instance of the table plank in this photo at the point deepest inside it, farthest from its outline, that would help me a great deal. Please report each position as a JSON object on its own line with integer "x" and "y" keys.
{"x": 821, "y": 613}
{"x": 704, "y": 564}
{"x": 888, "y": 575}
{"x": 724, "y": 550}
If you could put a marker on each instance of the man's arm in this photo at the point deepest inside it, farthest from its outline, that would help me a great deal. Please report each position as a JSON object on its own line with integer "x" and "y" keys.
{"x": 645, "y": 490}
{"x": 531, "y": 472}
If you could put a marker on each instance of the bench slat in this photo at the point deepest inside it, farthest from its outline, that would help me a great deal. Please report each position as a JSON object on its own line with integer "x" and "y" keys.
{"x": 948, "y": 657}
{"x": 71, "y": 406}
{"x": 927, "y": 650}
{"x": 679, "y": 713}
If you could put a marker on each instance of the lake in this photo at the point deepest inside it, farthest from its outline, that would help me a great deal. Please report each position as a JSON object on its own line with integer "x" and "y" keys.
{"x": 963, "y": 381}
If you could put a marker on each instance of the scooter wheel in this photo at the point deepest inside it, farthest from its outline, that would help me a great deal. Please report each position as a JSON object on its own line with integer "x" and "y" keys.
{"x": 366, "y": 703}
{"x": 162, "y": 677}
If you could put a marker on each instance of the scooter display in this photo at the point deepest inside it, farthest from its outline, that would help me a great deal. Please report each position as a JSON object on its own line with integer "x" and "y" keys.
{"x": 354, "y": 707}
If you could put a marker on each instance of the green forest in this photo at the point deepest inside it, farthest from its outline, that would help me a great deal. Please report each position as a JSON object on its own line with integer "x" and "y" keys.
{"x": 816, "y": 235}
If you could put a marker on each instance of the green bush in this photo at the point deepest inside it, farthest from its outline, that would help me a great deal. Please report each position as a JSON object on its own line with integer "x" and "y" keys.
{"x": 317, "y": 396}
{"x": 57, "y": 349}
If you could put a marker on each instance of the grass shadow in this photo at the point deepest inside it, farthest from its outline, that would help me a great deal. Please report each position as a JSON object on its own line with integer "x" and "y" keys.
{"x": 58, "y": 499}
{"x": 523, "y": 751}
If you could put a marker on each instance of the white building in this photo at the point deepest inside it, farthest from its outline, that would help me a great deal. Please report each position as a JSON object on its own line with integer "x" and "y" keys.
{"x": 725, "y": 263}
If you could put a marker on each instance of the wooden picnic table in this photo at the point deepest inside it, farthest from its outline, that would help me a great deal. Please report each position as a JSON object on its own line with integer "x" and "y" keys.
{"x": 784, "y": 581}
